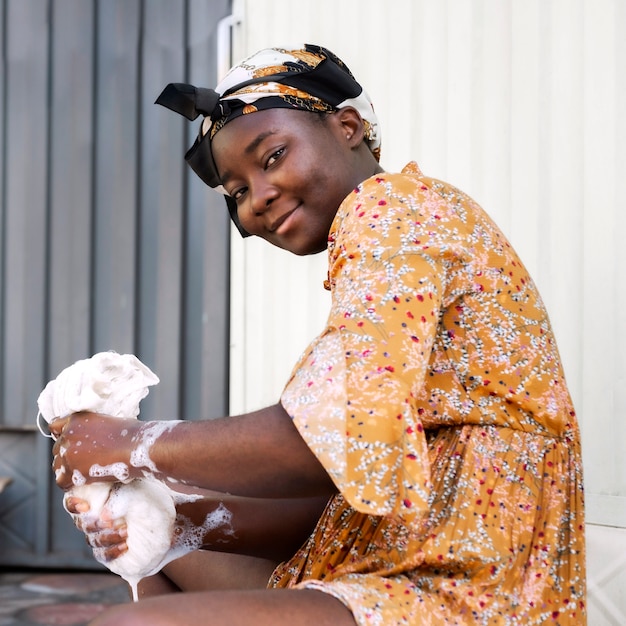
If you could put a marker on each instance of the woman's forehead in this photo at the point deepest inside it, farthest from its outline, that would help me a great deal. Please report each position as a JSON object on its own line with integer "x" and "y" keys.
{"x": 248, "y": 131}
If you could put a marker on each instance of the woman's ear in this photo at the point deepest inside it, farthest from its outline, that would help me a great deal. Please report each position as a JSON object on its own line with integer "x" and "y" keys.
{"x": 350, "y": 125}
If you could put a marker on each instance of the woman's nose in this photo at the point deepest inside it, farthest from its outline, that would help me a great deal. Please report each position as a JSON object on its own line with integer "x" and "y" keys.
{"x": 262, "y": 193}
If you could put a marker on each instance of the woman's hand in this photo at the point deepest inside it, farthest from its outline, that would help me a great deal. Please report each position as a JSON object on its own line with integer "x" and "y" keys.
{"x": 91, "y": 447}
{"x": 105, "y": 535}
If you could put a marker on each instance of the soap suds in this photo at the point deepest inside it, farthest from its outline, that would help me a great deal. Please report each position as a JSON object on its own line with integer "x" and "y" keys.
{"x": 77, "y": 478}
{"x": 117, "y": 470}
{"x": 140, "y": 456}
{"x": 190, "y": 537}
{"x": 148, "y": 510}
{"x": 183, "y": 498}
{"x": 114, "y": 384}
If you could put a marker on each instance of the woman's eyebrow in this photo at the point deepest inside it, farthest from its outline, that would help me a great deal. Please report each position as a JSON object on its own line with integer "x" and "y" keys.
{"x": 257, "y": 140}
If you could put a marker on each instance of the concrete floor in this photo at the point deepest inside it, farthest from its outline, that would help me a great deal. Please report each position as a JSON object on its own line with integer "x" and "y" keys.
{"x": 30, "y": 598}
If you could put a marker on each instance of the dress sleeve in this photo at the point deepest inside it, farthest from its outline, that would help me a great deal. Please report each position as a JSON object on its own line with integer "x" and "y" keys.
{"x": 353, "y": 395}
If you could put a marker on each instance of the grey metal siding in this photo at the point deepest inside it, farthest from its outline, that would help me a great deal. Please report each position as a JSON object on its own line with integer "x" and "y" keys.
{"x": 107, "y": 240}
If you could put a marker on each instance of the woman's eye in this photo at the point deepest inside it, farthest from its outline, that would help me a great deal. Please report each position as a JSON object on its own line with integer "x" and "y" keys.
{"x": 237, "y": 194}
{"x": 274, "y": 156}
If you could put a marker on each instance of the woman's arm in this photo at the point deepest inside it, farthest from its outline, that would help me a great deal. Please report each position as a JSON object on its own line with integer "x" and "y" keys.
{"x": 260, "y": 454}
{"x": 267, "y": 528}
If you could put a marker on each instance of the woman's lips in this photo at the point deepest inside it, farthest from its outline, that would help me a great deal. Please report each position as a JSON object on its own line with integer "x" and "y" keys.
{"x": 282, "y": 223}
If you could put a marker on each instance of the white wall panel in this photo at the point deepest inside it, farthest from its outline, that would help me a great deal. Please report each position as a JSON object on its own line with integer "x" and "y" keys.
{"x": 521, "y": 104}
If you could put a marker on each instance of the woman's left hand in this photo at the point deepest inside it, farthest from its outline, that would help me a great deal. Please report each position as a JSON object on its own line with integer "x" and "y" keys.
{"x": 106, "y": 535}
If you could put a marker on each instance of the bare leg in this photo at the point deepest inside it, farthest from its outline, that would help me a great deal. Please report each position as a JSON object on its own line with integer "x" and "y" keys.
{"x": 206, "y": 570}
{"x": 156, "y": 585}
{"x": 267, "y": 607}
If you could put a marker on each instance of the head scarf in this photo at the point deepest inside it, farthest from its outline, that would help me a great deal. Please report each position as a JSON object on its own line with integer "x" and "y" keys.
{"x": 307, "y": 78}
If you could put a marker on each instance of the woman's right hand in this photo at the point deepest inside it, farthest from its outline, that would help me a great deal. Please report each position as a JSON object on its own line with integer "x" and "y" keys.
{"x": 105, "y": 535}
{"x": 92, "y": 447}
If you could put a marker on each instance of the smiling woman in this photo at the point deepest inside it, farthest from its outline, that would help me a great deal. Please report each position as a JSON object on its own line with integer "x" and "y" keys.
{"x": 285, "y": 193}
{"x": 423, "y": 464}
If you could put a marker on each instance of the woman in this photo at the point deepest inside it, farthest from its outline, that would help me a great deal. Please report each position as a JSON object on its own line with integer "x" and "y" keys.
{"x": 423, "y": 465}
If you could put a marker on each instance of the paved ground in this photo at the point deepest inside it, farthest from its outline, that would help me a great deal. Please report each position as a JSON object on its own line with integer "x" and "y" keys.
{"x": 57, "y": 598}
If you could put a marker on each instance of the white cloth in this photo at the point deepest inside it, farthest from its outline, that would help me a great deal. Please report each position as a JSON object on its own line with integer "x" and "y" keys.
{"x": 114, "y": 384}
{"x": 108, "y": 382}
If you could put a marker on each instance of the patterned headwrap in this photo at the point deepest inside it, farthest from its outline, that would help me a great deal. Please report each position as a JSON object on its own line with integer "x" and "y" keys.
{"x": 307, "y": 78}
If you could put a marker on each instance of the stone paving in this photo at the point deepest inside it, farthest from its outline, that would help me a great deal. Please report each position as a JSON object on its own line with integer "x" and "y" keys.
{"x": 57, "y": 598}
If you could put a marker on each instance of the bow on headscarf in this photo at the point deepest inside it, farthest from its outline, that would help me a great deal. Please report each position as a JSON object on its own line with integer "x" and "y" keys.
{"x": 192, "y": 101}
{"x": 308, "y": 78}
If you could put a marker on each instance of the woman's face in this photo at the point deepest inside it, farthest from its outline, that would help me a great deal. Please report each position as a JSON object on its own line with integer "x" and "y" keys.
{"x": 288, "y": 171}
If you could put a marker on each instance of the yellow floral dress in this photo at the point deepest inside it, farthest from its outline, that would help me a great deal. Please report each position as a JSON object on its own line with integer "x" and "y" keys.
{"x": 436, "y": 401}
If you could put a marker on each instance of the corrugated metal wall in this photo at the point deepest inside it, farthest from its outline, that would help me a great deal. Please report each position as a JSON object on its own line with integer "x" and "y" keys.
{"x": 107, "y": 241}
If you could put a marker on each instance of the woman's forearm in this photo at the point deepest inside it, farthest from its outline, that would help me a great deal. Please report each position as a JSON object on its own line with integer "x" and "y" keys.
{"x": 267, "y": 528}
{"x": 259, "y": 454}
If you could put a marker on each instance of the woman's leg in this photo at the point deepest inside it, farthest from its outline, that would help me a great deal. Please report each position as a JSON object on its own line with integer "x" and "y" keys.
{"x": 205, "y": 570}
{"x": 267, "y": 607}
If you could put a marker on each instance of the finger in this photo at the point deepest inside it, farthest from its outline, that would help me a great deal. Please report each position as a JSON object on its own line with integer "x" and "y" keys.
{"x": 88, "y": 524}
{"x": 59, "y": 448}
{"x": 108, "y": 539}
{"x": 62, "y": 477}
{"x": 57, "y": 425}
{"x": 76, "y": 505}
{"x": 106, "y": 520}
{"x": 60, "y": 474}
{"x": 85, "y": 523}
{"x": 79, "y": 522}
{"x": 104, "y": 555}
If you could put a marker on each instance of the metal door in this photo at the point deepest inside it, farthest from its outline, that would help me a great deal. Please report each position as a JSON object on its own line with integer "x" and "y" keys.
{"x": 107, "y": 241}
